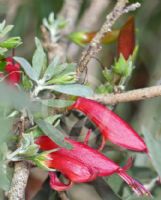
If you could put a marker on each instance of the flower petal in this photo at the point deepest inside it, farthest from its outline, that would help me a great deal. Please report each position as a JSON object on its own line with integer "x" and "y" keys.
{"x": 56, "y": 184}
{"x": 45, "y": 143}
{"x": 111, "y": 126}
{"x": 137, "y": 187}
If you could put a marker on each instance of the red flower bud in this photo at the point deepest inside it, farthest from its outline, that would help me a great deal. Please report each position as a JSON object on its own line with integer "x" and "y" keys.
{"x": 111, "y": 126}
{"x": 126, "y": 39}
{"x": 82, "y": 164}
{"x": 13, "y": 71}
{"x": 83, "y": 38}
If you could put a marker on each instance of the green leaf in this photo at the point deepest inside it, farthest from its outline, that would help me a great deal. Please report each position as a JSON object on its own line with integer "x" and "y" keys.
{"x": 108, "y": 75}
{"x": 26, "y": 82}
{"x": 123, "y": 67}
{"x": 10, "y": 43}
{"x": 53, "y": 133}
{"x": 19, "y": 101}
{"x": 2, "y": 65}
{"x": 5, "y": 173}
{"x": 4, "y": 30}
{"x": 52, "y": 68}
{"x": 134, "y": 197}
{"x": 32, "y": 74}
{"x": 53, "y": 119}
{"x": 57, "y": 103}
{"x": 64, "y": 79}
{"x": 2, "y": 25}
{"x": 39, "y": 60}
{"x": 6, "y": 127}
{"x": 56, "y": 69}
{"x": 4, "y": 179}
{"x": 2, "y": 51}
{"x": 74, "y": 89}
{"x": 114, "y": 182}
{"x": 26, "y": 149}
{"x": 154, "y": 147}
{"x": 70, "y": 68}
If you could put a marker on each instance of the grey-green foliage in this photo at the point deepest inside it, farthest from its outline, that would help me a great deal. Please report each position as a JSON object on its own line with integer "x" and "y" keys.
{"x": 30, "y": 72}
{"x": 5, "y": 172}
{"x": 74, "y": 89}
{"x": 39, "y": 60}
{"x": 154, "y": 147}
{"x": 54, "y": 26}
{"x": 57, "y": 103}
{"x": 53, "y": 133}
{"x": 9, "y": 43}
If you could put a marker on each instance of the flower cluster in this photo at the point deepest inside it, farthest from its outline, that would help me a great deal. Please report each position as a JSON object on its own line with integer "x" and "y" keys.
{"x": 11, "y": 71}
{"x": 81, "y": 164}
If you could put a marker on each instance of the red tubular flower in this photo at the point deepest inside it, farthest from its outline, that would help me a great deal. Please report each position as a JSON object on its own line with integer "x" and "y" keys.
{"x": 13, "y": 71}
{"x": 111, "y": 126}
{"x": 82, "y": 164}
{"x": 126, "y": 39}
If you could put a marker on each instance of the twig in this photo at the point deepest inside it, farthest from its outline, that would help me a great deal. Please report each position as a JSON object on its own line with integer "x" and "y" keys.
{"x": 133, "y": 95}
{"x": 88, "y": 22}
{"x": 19, "y": 181}
{"x": 94, "y": 47}
{"x": 53, "y": 48}
{"x": 70, "y": 13}
{"x": 21, "y": 172}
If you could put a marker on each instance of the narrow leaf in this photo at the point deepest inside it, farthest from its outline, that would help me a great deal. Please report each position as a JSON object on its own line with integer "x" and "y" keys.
{"x": 57, "y": 103}
{"x": 154, "y": 147}
{"x": 52, "y": 68}
{"x": 74, "y": 89}
{"x": 39, "y": 60}
{"x": 10, "y": 43}
{"x": 53, "y": 133}
{"x": 27, "y": 68}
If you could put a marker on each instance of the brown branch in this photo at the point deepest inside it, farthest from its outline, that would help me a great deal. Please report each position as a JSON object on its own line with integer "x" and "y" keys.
{"x": 89, "y": 23}
{"x": 21, "y": 170}
{"x": 133, "y": 95}
{"x": 53, "y": 48}
{"x": 70, "y": 13}
{"x": 19, "y": 181}
{"x": 94, "y": 47}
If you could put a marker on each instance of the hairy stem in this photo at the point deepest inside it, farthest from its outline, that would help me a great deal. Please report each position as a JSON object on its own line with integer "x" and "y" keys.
{"x": 132, "y": 95}
{"x": 19, "y": 181}
{"x": 94, "y": 47}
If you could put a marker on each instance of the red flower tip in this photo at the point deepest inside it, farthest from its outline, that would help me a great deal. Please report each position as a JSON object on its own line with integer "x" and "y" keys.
{"x": 111, "y": 126}
{"x": 56, "y": 184}
{"x": 9, "y": 60}
{"x": 13, "y": 71}
{"x": 126, "y": 39}
{"x": 45, "y": 143}
{"x": 137, "y": 187}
